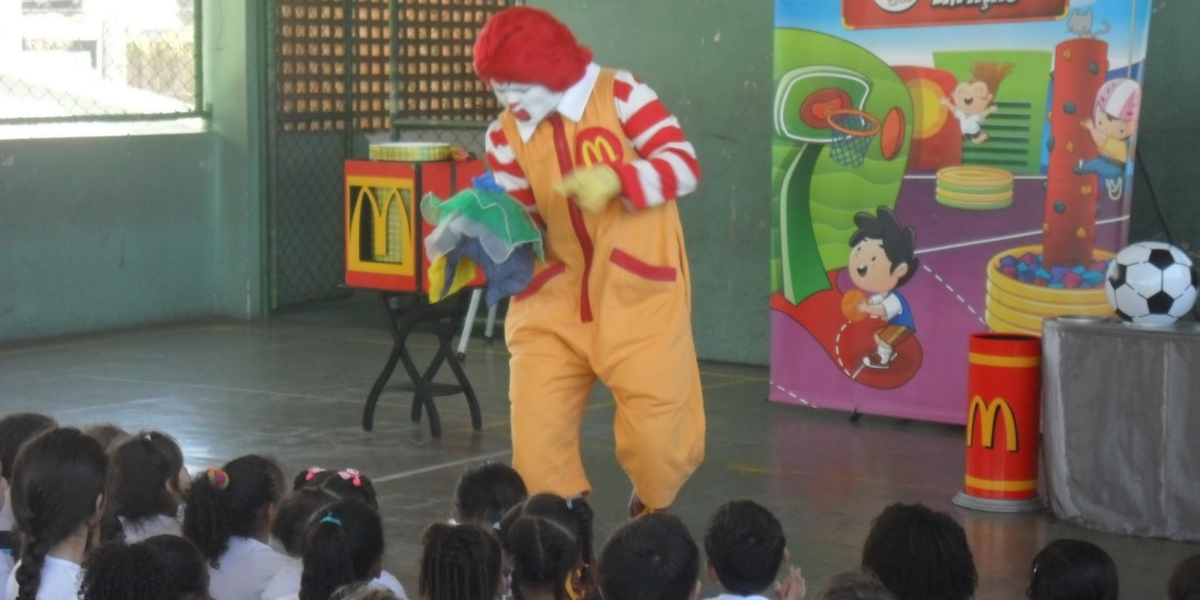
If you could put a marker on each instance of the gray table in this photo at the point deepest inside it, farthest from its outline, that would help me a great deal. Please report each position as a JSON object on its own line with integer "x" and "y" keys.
{"x": 1121, "y": 423}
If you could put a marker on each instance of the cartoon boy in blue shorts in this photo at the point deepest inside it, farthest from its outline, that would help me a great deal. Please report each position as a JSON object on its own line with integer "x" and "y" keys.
{"x": 881, "y": 260}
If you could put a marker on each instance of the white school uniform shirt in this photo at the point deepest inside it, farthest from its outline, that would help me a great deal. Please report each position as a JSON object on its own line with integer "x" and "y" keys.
{"x": 144, "y": 529}
{"x": 246, "y": 569}
{"x": 6, "y": 515}
{"x": 6, "y": 567}
{"x": 736, "y": 597}
{"x": 60, "y": 580}
{"x": 286, "y": 583}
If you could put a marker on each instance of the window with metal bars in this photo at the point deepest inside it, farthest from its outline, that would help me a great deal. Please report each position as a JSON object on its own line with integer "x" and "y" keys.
{"x": 366, "y": 63}
{"x": 76, "y": 60}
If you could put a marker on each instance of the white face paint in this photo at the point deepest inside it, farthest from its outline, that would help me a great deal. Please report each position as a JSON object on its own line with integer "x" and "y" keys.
{"x": 528, "y": 102}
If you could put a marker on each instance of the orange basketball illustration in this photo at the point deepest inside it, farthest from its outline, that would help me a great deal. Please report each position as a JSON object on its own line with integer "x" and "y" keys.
{"x": 850, "y": 302}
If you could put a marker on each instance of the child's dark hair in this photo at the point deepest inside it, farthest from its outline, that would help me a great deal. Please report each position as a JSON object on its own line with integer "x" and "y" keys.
{"x": 650, "y": 558}
{"x": 1185, "y": 581}
{"x": 899, "y": 243}
{"x": 187, "y": 572}
{"x": 108, "y": 434}
{"x": 459, "y": 562}
{"x": 347, "y": 483}
{"x": 230, "y": 501}
{"x": 855, "y": 585}
{"x": 120, "y": 572}
{"x": 292, "y": 520}
{"x": 344, "y": 546}
{"x": 1068, "y": 569}
{"x": 745, "y": 544}
{"x": 546, "y": 538}
{"x": 58, "y": 481}
{"x": 15, "y": 430}
{"x": 919, "y": 553}
{"x": 145, "y": 468}
{"x": 486, "y": 492}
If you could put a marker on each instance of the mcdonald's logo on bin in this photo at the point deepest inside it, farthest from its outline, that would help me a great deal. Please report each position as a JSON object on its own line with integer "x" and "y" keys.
{"x": 989, "y": 414}
{"x": 1003, "y": 399}
{"x": 599, "y": 146}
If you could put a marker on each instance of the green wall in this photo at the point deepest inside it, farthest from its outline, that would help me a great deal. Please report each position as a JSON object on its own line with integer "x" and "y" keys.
{"x": 710, "y": 61}
{"x": 98, "y": 233}
{"x": 104, "y": 232}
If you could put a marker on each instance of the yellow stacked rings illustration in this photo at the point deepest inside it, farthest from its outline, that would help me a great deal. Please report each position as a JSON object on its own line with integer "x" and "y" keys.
{"x": 974, "y": 188}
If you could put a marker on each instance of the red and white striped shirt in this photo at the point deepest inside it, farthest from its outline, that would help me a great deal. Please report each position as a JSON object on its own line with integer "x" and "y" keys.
{"x": 666, "y": 170}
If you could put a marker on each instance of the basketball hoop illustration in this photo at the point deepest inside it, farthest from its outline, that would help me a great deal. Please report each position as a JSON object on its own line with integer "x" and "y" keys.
{"x": 851, "y": 133}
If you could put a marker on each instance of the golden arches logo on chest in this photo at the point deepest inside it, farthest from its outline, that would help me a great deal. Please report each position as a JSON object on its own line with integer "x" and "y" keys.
{"x": 598, "y": 146}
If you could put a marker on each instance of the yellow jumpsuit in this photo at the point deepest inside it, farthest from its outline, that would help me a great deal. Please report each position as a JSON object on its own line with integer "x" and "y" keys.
{"x": 614, "y": 304}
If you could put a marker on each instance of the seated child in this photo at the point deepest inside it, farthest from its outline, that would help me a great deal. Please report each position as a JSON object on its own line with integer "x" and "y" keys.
{"x": 854, "y": 585}
{"x": 15, "y": 430}
{"x": 486, "y": 492}
{"x": 148, "y": 485}
{"x": 746, "y": 548}
{"x": 460, "y": 562}
{"x": 548, "y": 540}
{"x": 1068, "y": 569}
{"x": 228, "y": 517}
{"x": 919, "y": 554}
{"x": 117, "y": 571}
{"x": 313, "y": 490}
{"x": 57, "y": 500}
{"x": 364, "y": 592}
{"x": 344, "y": 547}
{"x": 1185, "y": 581}
{"x": 650, "y": 558}
{"x": 187, "y": 572}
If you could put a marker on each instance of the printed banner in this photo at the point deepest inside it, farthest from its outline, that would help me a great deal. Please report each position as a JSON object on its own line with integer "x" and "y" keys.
{"x": 868, "y": 14}
{"x": 941, "y": 167}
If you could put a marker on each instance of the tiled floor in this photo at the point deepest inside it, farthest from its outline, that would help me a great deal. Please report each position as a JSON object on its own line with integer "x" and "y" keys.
{"x": 294, "y": 388}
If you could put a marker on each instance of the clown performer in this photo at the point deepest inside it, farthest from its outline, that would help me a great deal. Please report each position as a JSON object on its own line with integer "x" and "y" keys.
{"x": 598, "y": 162}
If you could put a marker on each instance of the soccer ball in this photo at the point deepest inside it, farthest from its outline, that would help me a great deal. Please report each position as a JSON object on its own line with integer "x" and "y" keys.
{"x": 1151, "y": 283}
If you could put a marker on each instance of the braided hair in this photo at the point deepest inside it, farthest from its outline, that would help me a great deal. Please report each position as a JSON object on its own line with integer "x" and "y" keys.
{"x": 547, "y": 538}
{"x": 119, "y": 572}
{"x": 344, "y": 546}
{"x": 231, "y": 501}
{"x": 347, "y": 483}
{"x": 460, "y": 562}
{"x": 58, "y": 482}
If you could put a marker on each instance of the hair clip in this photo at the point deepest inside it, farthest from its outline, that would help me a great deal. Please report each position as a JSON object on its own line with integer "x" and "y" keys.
{"x": 329, "y": 518}
{"x": 219, "y": 478}
{"x": 496, "y": 525}
{"x": 351, "y": 475}
{"x": 149, "y": 437}
{"x": 570, "y": 504}
{"x": 312, "y": 472}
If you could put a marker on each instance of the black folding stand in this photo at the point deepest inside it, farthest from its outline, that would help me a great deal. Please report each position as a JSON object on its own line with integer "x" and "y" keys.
{"x": 407, "y": 311}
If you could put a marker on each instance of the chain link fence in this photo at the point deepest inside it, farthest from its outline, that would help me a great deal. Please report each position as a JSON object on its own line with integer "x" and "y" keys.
{"x": 82, "y": 60}
{"x": 345, "y": 74}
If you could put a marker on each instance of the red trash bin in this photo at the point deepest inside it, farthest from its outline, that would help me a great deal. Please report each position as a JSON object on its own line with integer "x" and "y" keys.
{"x": 1004, "y": 387}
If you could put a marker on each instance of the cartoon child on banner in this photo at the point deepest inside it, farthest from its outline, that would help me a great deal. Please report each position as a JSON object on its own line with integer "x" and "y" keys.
{"x": 881, "y": 260}
{"x": 973, "y": 100}
{"x": 1114, "y": 122}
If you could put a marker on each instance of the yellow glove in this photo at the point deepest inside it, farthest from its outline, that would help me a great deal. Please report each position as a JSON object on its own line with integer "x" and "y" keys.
{"x": 593, "y": 188}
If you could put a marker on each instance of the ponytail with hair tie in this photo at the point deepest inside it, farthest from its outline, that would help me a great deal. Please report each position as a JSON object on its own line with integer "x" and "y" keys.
{"x": 219, "y": 478}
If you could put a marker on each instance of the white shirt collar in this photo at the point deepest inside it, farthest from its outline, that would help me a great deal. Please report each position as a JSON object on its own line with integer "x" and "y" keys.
{"x": 728, "y": 596}
{"x": 573, "y": 103}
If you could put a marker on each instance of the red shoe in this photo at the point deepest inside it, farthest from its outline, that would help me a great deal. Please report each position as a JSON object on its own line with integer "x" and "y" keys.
{"x": 638, "y": 509}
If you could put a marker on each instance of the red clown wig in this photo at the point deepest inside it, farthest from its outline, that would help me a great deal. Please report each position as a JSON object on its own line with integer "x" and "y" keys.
{"x": 528, "y": 45}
